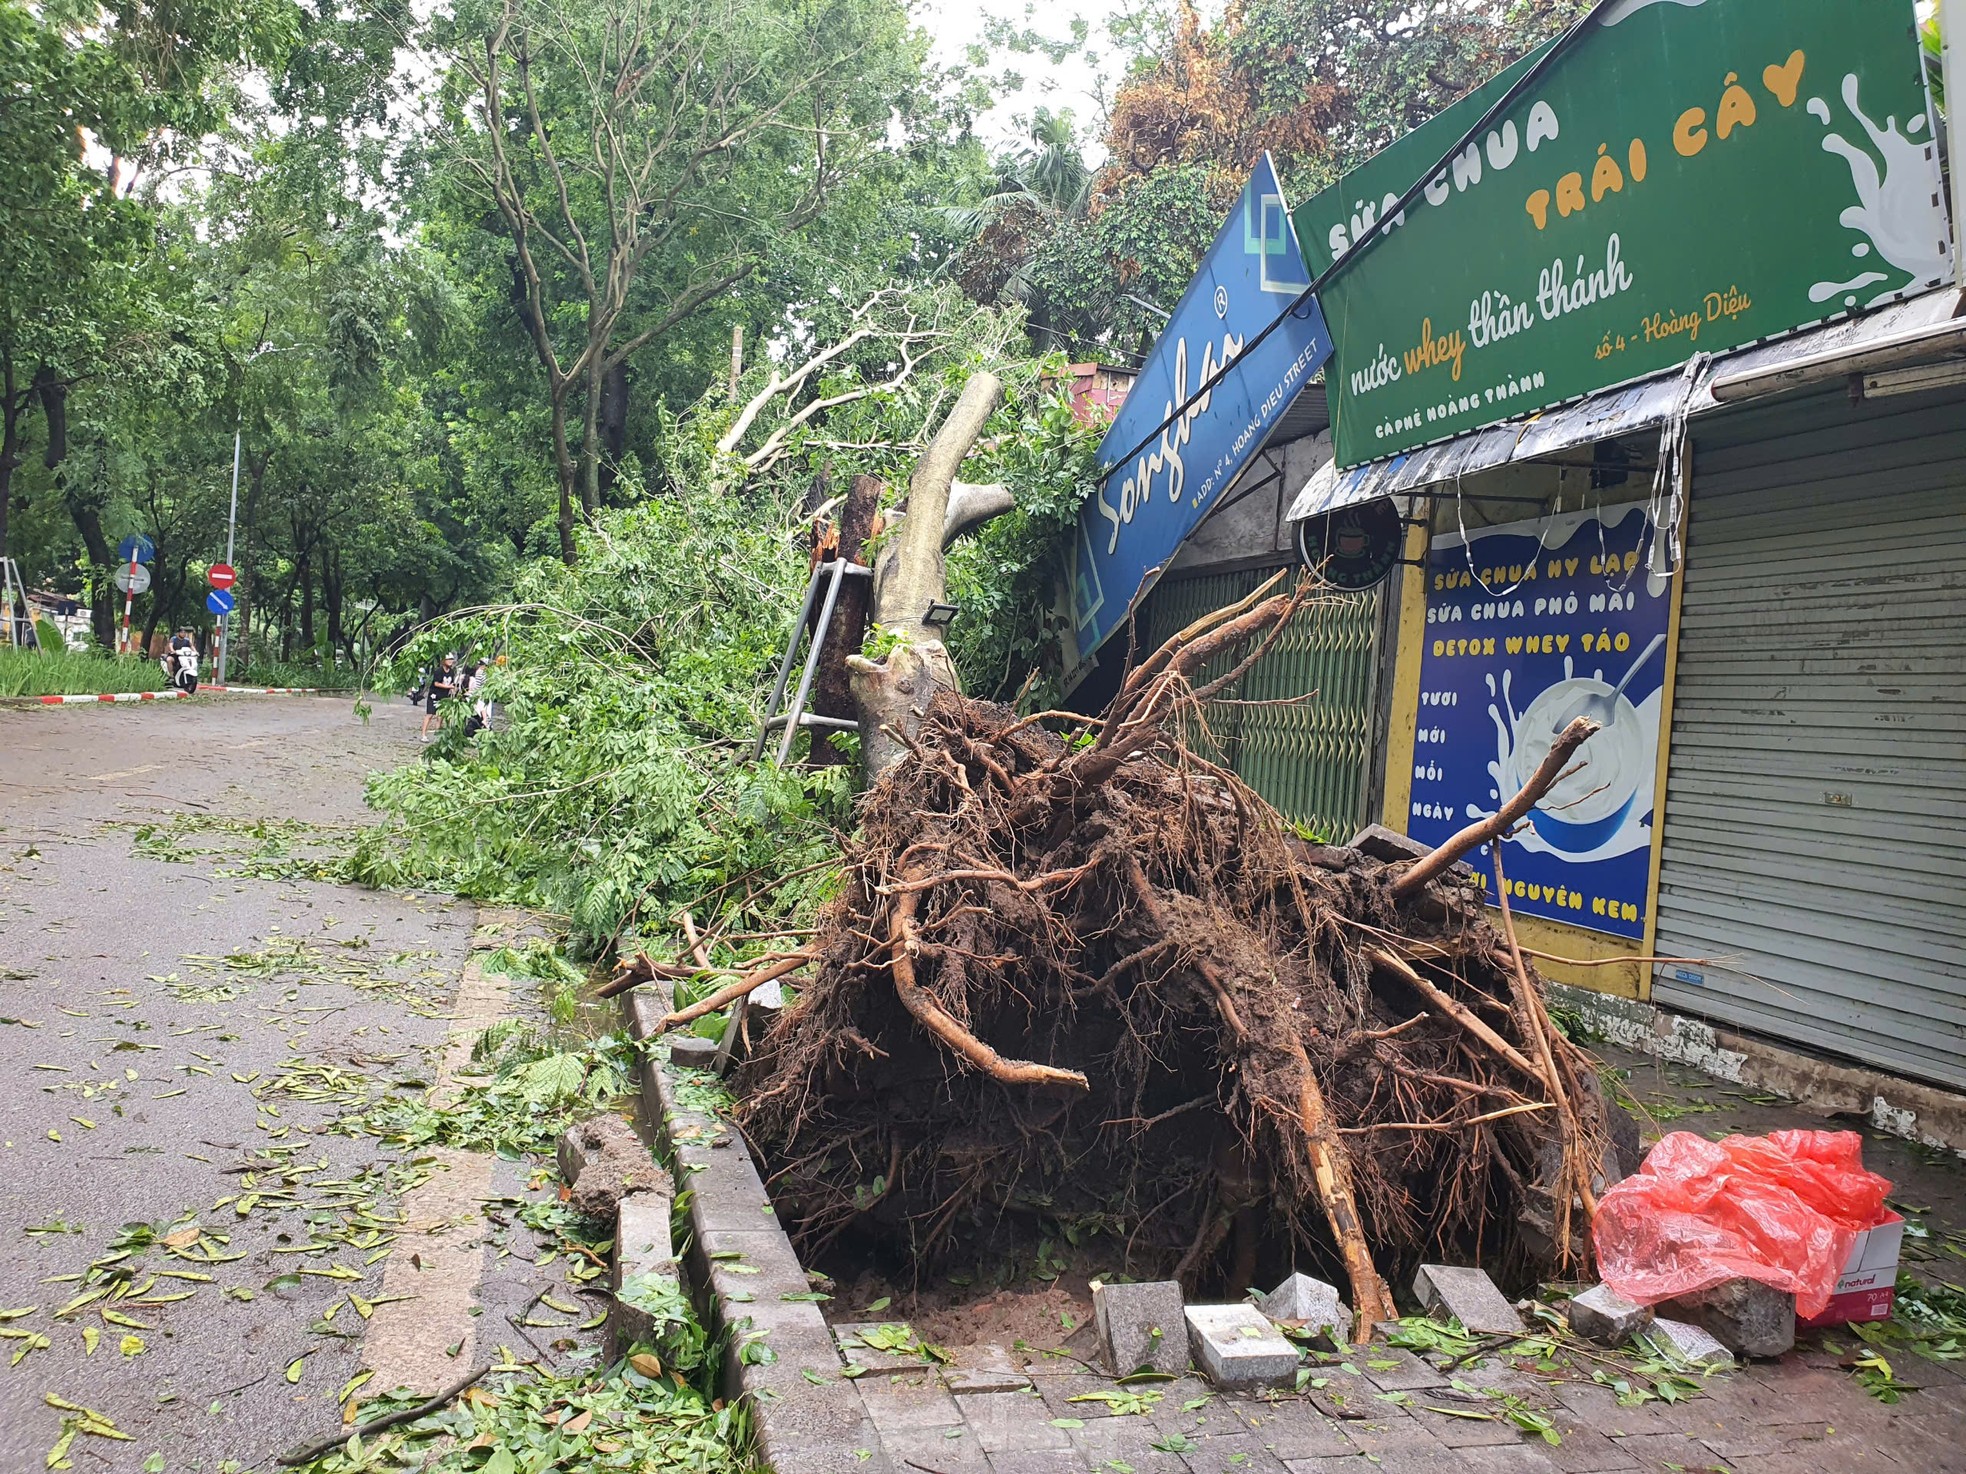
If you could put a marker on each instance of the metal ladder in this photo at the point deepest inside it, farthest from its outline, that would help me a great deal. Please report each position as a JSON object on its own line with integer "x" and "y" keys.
{"x": 13, "y": 595}
{"x": 831, "y": 576}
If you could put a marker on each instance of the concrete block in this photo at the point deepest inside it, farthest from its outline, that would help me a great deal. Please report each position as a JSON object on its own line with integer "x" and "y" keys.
{"x": 1602, "y": 1315}
{"x": 692, "y": 1052}
{"x": 641, "y": 1236}
{"x": 647, "y": 1307}
{"x": 1746, "y": 1316}
{"x": 1238, "y": 1347}
{"x": 1469, "y": 1296}
{"x": 1387, "y": 845}
{"x": 983, "y": 1369}
{"x": 1302, "y": 1302}
{"x": 898, "y": 1409}
{"x": 646, "y": 1007}
{"x": 1689, "y": 1341}
{"x": 1141, "y": 1326}
{"x": 602, "y": 1161}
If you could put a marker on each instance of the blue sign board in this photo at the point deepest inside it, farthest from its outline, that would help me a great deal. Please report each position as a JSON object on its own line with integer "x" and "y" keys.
{"x": 136, "y": 548}
{"x": 1155, "y": 493}
{"x": 1528, "y": 625}
{"x": 220, "y": 601}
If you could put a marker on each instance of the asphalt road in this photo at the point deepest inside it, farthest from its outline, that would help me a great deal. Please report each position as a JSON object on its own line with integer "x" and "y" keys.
{"x": 181, "y": 1012}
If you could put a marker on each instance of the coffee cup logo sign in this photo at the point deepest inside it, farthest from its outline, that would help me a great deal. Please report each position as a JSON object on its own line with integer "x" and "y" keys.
{"x": 1529, "y": 626}
{"x": 1355, "y": 547}
{"x": 1630, "y": 210}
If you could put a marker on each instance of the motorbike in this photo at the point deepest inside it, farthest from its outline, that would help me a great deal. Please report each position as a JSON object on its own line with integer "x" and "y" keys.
{"x": 181, "y": 670}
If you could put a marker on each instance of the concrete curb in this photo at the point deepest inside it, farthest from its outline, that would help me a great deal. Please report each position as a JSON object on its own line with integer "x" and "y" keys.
{"x": 748, "y": 1278}
{"x": 1922, "y": 1113}
{"x": 84, "y": 700}
{"x": 107, "y": 696}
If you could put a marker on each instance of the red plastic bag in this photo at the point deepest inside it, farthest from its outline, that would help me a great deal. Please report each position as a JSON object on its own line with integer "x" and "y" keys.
{"x": 1783, "y": 1209}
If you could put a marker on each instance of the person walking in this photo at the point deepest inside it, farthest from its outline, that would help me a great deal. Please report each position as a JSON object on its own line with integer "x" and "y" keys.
{"x": 474, "y": 692}
{"x": 441, "y": 686}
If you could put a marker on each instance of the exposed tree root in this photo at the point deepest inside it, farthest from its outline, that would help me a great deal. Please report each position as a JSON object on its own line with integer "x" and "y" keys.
{"x": 1105, "y": 985}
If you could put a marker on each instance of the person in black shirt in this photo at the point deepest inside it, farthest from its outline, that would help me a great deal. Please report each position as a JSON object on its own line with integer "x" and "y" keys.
{"x": 442, "y": 685}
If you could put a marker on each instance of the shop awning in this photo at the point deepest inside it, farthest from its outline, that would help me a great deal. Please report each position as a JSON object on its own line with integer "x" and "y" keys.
{"x": 1646, "y": 404}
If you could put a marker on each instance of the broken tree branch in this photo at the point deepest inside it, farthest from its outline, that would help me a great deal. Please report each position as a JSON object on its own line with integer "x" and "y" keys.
{"x": 313, "y": 1451}
{"x": 1505, "y": 818}
{"x": 727, "y": 995}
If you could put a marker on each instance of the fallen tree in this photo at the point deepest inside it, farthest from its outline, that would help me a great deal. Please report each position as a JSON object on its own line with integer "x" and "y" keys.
{"x": 1099, "y": 980}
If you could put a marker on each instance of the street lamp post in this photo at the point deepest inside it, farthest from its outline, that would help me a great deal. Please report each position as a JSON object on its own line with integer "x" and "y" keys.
{"x": 231, "y": 528}
{"x": 232, "y": 515}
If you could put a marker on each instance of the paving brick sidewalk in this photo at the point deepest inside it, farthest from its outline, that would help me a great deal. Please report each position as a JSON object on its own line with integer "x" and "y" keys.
{"x": 1801, "y": 1414}
{"x": 1397, "y": 1415}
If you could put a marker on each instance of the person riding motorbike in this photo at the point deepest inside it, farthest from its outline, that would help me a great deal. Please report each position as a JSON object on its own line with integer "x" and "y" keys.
{"x": 180, "y": 661}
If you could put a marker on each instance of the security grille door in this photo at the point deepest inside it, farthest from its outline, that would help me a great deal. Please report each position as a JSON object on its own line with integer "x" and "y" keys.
{"x": 1312, "y": 759}
{"x": 1815, "y": 817}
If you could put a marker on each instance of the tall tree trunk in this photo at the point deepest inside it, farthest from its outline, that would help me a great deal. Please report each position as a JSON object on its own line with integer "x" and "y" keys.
{"x": 304, "y": 581}
{"x": 614, "y": 427}
{"x": 12, "y": 407}
{"x": 590, "y": 444}
{"x": 832, "y": 686}
{"x": 331, "y": 595}
{"x": 563, "y": 466}
{"x": 892, "y": 695}
{"x": 85, "y": 511}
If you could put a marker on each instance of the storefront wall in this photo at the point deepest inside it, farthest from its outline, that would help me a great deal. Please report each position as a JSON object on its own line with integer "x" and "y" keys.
{"x": 1807, "y": 854}
{"x": 1814, "y": 845}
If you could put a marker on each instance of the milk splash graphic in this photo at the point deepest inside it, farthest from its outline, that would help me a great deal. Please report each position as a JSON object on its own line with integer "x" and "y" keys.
{"x": 1897, "y": 210}
{"x": 1612, "y": 778}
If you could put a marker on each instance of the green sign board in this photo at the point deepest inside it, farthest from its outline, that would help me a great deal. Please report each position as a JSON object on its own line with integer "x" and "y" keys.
{"x": 1689, "y": 177}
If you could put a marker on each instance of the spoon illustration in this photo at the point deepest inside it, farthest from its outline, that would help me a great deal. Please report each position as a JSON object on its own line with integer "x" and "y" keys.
{"x": 1600, "y": 708}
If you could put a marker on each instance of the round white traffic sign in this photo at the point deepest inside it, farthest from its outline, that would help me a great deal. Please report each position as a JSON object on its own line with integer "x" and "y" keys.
{"x": 133, "y": 581}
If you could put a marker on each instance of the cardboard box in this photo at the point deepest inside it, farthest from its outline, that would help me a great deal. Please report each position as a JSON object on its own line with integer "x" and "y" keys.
{"x": 1868, "y": 1286}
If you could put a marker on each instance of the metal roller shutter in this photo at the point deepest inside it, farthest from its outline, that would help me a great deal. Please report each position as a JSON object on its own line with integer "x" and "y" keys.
{"x": 1815, "y": 817}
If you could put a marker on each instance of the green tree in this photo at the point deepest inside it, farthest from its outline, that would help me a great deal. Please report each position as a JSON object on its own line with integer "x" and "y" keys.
{"x": 100, "y": 104}
{"x": 643, "y": 157}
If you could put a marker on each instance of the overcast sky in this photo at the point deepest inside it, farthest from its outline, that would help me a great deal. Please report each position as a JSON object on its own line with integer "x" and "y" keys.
{"x": 956, "y": 24}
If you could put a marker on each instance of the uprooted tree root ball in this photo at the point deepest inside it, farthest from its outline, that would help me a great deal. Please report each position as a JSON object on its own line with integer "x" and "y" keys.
{"x": 1102, "y": 981}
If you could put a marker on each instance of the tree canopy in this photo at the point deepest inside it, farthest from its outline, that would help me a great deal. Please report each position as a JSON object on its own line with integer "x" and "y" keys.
{"x": 453, "y": 281}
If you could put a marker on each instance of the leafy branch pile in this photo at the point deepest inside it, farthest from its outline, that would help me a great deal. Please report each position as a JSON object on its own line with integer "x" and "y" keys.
{"x": 1104, "y": 977}
{"x": 613, "y": 777}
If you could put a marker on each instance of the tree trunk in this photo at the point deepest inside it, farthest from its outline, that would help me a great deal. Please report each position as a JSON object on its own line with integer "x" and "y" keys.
{"x": 590, "y": 444}
{"x": 11, "y": 409}
{"x": 331, "y": 596}
{"x": 304, "y": 586}
{"x": 563, "y": 467}
{"x": 891, "y": 696}
{"x": 614, "y": 426}
{"x": 832, "y": 687}
{"x": 85, "y": 511}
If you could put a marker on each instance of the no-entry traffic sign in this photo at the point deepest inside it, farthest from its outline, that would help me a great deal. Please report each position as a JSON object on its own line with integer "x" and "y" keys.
{"x": 219, "y": 601}
{"x": 222, "y": 576}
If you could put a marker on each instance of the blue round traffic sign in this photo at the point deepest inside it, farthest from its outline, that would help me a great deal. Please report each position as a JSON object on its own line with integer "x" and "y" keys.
{"x": 220, "y": 601}
{"x": 136, "y": 546}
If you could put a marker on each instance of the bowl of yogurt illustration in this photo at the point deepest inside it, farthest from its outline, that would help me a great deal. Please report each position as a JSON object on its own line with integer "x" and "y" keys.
{"x": 1589, "y": 805}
